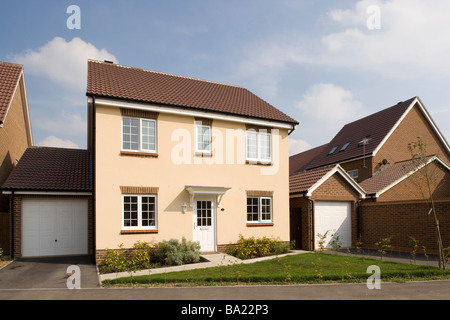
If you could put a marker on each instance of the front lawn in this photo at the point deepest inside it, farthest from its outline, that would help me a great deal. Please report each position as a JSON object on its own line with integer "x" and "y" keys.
{"x": 294, "y": 269}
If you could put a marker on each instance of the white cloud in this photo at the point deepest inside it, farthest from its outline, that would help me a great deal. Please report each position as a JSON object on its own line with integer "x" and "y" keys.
{"x": 413, "y": 35}
{"x": 297, "y": 146}
{"x": 330, "y": 104}
{"x": 63, "y": 62}
{"x": 53, "y": 141}
{"x": 68, "y": 123}
{"x": 412, "y": 42}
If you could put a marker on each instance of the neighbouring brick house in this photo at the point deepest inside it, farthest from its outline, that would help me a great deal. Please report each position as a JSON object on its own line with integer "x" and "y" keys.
{"x": 15, "y": 135}
{"x": 369, "y": 150}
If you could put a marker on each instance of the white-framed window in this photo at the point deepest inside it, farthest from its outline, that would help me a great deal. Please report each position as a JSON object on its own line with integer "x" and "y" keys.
{"x": 139, "y": 212}
{"x": 138, "y": 134}
{"x": 203, "y": 138}
{"x": 259, "y": 146}
{"x": 353, "y": 174}
{"x": 259, "y": 209}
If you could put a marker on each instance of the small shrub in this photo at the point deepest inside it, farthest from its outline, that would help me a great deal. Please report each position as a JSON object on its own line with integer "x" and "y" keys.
{"x": 140, "y": 257}
{"x": 114, "y": 261}
{"x": 321, "y": 241}
{"x": 414, "y": 245}
{"x": 335, "y": 242}
{"x": 383, "y": 245}
{"x": 173, "y": 252}
{"x": 1, "y": 253}
{"x": 247, "y": 248}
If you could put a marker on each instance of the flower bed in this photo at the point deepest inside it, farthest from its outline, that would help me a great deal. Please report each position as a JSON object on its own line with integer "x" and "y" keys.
{"x": 248, "y": 248}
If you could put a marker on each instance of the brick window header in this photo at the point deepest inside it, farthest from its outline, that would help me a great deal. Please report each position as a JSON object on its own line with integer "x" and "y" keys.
{"x": 259, "y": 193}
{"x": 125, "y": 112}
{"x": 138, "y": 190}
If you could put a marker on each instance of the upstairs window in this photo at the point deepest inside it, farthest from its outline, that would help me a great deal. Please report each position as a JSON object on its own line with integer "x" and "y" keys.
{"x": 138, "y": 134}
{"x": 203, "y": 140}
{"x": 259, "y": 146}
{"x": 353, "y": 174}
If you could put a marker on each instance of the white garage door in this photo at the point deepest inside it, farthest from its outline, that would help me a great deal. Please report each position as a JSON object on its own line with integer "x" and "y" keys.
{"x": 54, "y": 227}
{"x": 334, "y": 217}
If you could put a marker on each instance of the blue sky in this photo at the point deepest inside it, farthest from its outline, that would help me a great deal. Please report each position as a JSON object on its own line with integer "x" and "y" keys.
{"x": 318, "y": 61}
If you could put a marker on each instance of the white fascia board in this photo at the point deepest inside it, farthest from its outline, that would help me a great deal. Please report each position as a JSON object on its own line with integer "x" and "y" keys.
{"x": 12, "y": 97}
{"x": 427, "y": 116}
{"x": 188, "y": 112}
{"x": 25, "y": 97}
{"x": 433, "y": 125}
{"x": 49, "y": 193}
{"x": 344, "y": 174}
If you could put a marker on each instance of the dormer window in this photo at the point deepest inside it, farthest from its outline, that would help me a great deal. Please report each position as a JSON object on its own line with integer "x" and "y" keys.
{"x": 333, "y": 150}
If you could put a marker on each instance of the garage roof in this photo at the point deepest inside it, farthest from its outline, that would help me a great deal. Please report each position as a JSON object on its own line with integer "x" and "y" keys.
{"x": 395, "y": 173}
{"x": 51, "y": 169}
{"x": 307, "y": 181}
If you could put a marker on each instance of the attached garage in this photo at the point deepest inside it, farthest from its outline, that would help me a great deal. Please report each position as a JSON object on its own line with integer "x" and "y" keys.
{"x": 333, "y": 218}
{"x": 53, "y": 227}
{"x": 52, "y": 211}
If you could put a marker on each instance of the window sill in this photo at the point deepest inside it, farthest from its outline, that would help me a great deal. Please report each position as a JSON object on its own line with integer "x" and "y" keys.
{"x": 138, "y": 231}
{"x": 258, "y": 163}
{"x": 260, "y": 224}
{"x": 139, "y": 154}
{"x": 203, "y": 154}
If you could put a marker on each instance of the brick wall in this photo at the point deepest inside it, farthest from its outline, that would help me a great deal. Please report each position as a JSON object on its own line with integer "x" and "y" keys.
{"x": 413, "y": 125}
{"x": 402, "y": 220}
{"x": 13, "y": 142}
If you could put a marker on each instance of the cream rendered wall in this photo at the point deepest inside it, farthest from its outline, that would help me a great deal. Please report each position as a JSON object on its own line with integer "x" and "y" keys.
{"x": 114, "y": 170}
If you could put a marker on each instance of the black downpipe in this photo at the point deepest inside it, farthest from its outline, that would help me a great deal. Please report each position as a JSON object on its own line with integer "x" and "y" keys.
{"x": 94, "y": 242}
{"x": 11, "y": 249}
{"x": 313, "y": 225}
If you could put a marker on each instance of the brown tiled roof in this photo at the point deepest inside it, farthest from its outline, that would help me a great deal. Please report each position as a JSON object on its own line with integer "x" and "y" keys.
{"x": 391, "y": 174}
{"x": 376, "y": 127}
{"x": 51, "y": 169}
{"x": 9, "y": 77}
{"x": 116, "y": 81}
{"x": 300, "y": 161}
{"x": 301, "y": 182}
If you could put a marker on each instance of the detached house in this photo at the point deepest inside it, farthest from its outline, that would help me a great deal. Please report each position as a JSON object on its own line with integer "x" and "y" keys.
{"x": 181, "y": 157}
{"x": 340, "y": 186}
{"x": 15, "y": 135}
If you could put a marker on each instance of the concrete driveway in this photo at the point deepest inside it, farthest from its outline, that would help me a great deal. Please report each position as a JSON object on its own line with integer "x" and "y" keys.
{"x": 48, "y": 273}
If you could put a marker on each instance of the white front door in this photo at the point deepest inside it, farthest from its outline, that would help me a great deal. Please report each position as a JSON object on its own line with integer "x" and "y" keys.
{"x": 205, "y": 223}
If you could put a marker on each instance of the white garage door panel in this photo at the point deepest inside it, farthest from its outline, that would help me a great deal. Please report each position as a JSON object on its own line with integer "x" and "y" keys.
{"x": 334, "y": 217}
{"x": 54, "y": 227}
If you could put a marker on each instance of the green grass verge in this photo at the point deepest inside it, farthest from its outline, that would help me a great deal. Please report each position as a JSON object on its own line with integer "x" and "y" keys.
{"x": 294, "y": 269}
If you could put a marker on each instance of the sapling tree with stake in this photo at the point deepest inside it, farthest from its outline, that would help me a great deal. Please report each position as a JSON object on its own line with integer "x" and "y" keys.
{"x": 429, "y": 180}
